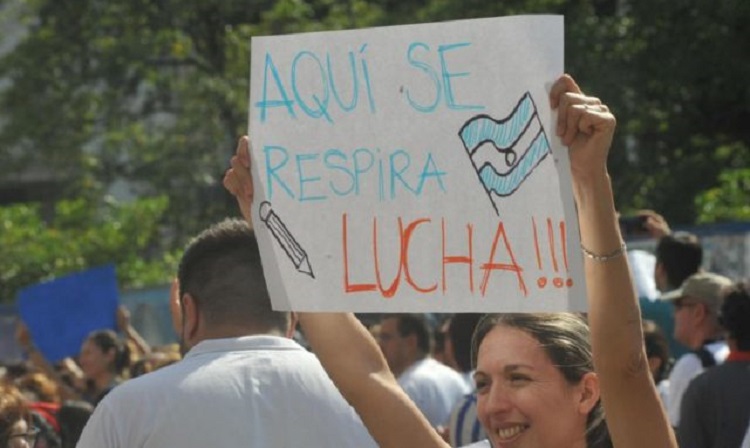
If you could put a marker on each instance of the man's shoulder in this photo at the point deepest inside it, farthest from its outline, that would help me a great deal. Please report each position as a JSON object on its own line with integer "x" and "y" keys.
{"x": 431, "y": 371}
{"x": 687, "y": 362}
{"x": 145, "y": 385}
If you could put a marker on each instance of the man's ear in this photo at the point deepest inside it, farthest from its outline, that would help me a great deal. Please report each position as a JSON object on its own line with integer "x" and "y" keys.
{"x": 293, "y": 320}
{"x": 700, "y": 311}
{"x": 175, "y": 307}
{"x": 589, "y": 393}
{"x": 190, "y": 316}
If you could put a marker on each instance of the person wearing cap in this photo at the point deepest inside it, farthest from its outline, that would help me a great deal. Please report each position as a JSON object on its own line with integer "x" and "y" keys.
{"x": 696, "y": 311}
{"x": 716, "y": 406}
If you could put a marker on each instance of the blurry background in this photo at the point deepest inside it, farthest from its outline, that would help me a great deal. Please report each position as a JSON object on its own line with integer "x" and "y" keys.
{"x": 117, "y": 119}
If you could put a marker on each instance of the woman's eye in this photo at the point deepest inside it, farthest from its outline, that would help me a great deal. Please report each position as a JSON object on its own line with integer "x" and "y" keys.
{"x": 519, "y": 379}
{"x": 481, "y": 385}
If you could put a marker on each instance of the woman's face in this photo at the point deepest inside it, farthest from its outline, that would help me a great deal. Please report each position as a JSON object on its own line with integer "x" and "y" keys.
{"x": 94, "y": 362}
{"x": 523, "y": 399}
{"x": 21, "y": 436}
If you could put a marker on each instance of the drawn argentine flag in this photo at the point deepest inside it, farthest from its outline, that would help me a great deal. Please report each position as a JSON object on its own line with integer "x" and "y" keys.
{"x": 494, "y": 147}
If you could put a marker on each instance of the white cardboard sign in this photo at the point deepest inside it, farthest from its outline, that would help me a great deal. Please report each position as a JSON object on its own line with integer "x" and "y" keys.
{"x": 414, "y": 168}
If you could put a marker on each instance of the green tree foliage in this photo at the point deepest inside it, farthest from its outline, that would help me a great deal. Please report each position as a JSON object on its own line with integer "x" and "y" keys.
{"x": 155, "y": 93}
{"x": 675, "y": 73}
{"x": 80, "y": 235}
{"x": 729, "y": 201}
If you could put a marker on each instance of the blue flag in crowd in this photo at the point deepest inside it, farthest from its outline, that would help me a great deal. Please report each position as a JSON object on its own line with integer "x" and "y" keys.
{"x": 60, "y": 313}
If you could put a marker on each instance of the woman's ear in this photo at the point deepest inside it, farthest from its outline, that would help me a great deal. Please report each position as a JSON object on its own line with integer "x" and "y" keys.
{"x": 589, "y": 393}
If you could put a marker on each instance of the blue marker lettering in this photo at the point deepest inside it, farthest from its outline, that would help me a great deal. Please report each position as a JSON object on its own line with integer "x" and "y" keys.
{"x": 357, "y": 166}
{"x": 430, "y": 72}
{"x": 396, "y": 172}
{"x": 355, "y": 83}
{"x": 450, "y": 101}
{"x": 381, "y": 181}
{"x": 366, "y": 74}
{"x": 430, "y": 170}
{"x": 322, "y": 110}
{"x": 304, "y": 180}
{"x": 266, "y": 103}
{"x": 328, "y": 160}
{"x": 271, "y": 170}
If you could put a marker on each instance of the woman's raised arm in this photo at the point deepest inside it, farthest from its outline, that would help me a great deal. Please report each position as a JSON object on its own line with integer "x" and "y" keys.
{"x": 634, "y": 413}
{"x": 349, "y": 353}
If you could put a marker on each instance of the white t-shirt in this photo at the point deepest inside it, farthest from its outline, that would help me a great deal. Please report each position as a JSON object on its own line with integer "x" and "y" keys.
{"x": 746, "y": 440}
{"x": 435, "y": 388}
{"x": 685, "y": 369}
{"x": 254, "y": 391}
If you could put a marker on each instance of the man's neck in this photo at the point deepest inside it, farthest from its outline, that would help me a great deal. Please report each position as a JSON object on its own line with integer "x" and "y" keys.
{"x": 229, "y": 332}
{"x": 703, "y": 335}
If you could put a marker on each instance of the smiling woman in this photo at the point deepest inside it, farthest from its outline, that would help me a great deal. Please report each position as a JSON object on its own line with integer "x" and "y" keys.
{"x": 535, "y": 373}
{"x": 531, "y": 371}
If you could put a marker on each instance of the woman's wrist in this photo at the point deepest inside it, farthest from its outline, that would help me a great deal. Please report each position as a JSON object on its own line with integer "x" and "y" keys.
{"x": 585, "y": 184}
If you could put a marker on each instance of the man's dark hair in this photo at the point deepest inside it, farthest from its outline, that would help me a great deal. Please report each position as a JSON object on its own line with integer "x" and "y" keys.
{"x": 681, "y": 254}
{"x": 414, "y": 324}
{"x": 221, "y": 270}
{"x": 460, "y": 332}
{"x": 735, "y": 316}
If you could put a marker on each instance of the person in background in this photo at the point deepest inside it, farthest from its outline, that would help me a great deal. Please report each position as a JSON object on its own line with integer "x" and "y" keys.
{"x": 104, "y": 360}
{"x": 43, "y": 399}
{"x": 72, "y": 417}
{"x": 697, "y": 304}
{"x": 634, "y": 413}
{"x": 102, "y": 364}
{"x": 464, "y": 426}
{"x": 657, "y": 353}
{"x": 138, "y": 347}
{"x": 433, "y": 386}
{"x": 157, "y": 358}
{"x": 715, "y": 408}
{"x": 678, "y": 256}
{"x": 16, "y": 429}
{"x": 439, "y": 350}
{"x": 242, "y": 381}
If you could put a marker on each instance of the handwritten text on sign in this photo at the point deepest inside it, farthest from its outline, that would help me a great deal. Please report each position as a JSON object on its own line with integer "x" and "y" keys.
{"x": 413, "y": 168}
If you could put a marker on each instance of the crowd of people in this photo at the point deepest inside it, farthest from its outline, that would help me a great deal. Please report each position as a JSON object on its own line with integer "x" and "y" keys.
{"x": 675, "y": 368}
{"x": 55, "y": 400}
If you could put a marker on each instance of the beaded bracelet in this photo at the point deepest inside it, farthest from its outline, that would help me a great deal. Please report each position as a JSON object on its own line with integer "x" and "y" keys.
{"x": 620, "y": 251}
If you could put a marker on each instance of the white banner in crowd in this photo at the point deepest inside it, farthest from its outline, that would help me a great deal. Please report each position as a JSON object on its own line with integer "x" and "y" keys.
{"x": 414, "y": 168}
